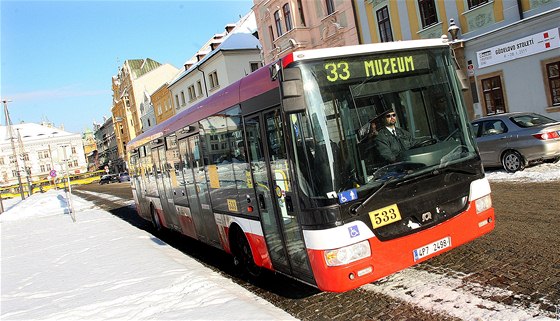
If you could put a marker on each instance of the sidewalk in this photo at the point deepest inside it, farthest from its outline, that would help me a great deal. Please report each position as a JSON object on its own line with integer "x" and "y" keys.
{"x": 102, "y": 268}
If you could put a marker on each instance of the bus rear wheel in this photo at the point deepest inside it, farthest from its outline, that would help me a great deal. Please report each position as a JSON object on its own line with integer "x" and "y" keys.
{"x": 242, "y": 255}
{"x": 155, "y": 220}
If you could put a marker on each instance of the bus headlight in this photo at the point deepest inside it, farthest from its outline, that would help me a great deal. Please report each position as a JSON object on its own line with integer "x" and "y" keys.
{"x": 347, "y": 254}
{"x": 483, "y": 203}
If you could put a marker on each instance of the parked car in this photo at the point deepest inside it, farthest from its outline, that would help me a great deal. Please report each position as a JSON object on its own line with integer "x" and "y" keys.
{"x": 515, "y": 140}
{"x": 109, "y": 178}
{"x": 124, "y": 177}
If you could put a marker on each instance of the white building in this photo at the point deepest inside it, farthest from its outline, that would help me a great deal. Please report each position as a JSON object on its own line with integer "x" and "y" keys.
{"x": 39, "y": 149}
{"x": 224, "y": 59}
{"x": 147, "y": 114}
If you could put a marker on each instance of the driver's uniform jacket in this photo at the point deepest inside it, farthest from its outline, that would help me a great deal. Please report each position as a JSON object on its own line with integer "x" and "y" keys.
{"x": 390, "y": 147}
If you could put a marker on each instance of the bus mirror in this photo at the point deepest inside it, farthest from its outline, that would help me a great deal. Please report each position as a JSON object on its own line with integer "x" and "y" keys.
{"x": 293, "y": 100}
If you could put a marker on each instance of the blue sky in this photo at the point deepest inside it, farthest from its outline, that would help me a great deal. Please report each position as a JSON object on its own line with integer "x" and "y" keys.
{"x": 58, "y": 57}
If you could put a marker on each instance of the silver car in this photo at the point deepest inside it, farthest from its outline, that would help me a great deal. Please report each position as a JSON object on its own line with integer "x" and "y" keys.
{"x": 514, "y": 140}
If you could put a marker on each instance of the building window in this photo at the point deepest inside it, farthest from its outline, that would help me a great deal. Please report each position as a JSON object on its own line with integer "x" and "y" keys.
{"x": 330, "y": 6}
{"x": 553, "y": 77}
{"x": 177, "y": 100}
{"x": 476, "y": 3}
{"x": 149, "y": 122}
{"x": 428, "y": 12}
{"x": 300, "y": 11}
{"x": 199, "y": 85}
{"x": 1, "y": 160}
{"x": 271, "y": 32}
{"x": 287, "y": 17}
{"x": 213, "y": 79}
{"x": 493, "y": 95}
{"x": 183, "y": 101}
{"x": 278, "y": 23}
{"x": 384, "y": 25}
{"x": 192, "y": 93}
{"x": 14, "y": 173}
{"x": 73, "y": 150}
{"x": 255, "y": 66}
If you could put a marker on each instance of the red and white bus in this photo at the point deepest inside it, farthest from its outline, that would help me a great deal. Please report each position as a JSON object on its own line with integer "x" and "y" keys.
{"x": 276, "y": 168}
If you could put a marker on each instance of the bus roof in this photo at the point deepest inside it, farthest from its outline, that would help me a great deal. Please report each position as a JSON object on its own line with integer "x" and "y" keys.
{"x": 303, "y": 55}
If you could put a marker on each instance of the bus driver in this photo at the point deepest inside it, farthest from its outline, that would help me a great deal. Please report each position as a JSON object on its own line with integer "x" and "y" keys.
{"x": 391, "y": 140}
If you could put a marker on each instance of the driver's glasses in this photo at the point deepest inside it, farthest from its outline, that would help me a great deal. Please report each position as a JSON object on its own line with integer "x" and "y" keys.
{"x": 392, "y": 115}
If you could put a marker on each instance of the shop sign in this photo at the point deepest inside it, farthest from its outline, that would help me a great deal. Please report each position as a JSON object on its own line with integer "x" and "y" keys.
{"x": 523, "y": 47}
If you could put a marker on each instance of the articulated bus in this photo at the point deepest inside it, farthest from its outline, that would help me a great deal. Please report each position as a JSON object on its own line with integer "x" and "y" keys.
{"x": 273, "y": 169}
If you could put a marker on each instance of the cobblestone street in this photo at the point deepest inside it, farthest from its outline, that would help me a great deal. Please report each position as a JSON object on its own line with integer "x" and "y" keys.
{"x": 516, "y": 266}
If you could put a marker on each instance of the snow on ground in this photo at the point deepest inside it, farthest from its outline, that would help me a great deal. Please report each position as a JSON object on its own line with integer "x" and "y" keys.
{"x": 451, "y": 296}
{"x": 539, "y": 173}
{"x": 102, "y": 268}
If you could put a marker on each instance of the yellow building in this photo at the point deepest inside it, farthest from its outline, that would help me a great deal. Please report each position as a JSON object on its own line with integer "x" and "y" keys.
{"x": 163, "y": 104}
{"x": 135, "y": 77}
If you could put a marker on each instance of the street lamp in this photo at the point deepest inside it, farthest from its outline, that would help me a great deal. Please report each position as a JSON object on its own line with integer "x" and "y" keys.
{"x": 453, "y": 29}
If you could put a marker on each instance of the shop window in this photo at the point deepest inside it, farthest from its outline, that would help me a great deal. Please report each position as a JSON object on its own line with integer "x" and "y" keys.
{"x": 553, "y": 79}
{"x": 493, "y": 95}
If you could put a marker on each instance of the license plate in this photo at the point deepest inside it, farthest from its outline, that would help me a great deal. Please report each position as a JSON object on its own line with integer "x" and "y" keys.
{"x": 384, "y": 216}
{"x": 431, "y": 248}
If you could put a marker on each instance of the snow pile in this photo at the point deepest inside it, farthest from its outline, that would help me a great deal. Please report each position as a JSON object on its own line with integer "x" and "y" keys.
{"x": 101, "y": 267}
{"x": 540, "y": 173}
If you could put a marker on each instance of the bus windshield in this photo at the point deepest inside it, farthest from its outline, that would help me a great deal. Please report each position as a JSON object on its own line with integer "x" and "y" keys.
{"x": 340, "y": 140}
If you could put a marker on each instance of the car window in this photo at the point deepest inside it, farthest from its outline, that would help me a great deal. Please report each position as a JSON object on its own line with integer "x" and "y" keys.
{"x": 531, "y": 120}
{"x": 494, "y": 127}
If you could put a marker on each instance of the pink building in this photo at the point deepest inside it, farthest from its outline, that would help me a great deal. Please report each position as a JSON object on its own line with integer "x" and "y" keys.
{"x": 289, "y": 25}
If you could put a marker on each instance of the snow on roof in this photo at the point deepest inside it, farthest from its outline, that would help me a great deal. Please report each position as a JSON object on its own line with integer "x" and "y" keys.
{"x": 31, "y": 131}
{"x": 235, "y": 41}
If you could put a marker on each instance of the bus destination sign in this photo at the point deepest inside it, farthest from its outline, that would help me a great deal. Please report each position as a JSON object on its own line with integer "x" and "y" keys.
{"x": 341, "y": 70}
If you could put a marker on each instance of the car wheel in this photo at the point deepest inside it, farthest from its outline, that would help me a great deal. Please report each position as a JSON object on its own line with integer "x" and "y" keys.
{"x": 512, "y": 161}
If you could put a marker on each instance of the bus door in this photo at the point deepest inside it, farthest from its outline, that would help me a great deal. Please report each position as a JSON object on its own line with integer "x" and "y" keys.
{"x": 203, "y": 217}
{"x": 165, "y": 192}
{"x": 271, "y": 177}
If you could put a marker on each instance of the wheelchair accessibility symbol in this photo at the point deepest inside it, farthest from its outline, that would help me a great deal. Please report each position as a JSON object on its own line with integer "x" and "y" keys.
{"x": 347, "y": 196}
{"x": 353, "y": 230}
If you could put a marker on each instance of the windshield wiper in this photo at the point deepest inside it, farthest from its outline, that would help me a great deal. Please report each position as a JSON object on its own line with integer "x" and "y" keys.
{"x": 356, "y": 209}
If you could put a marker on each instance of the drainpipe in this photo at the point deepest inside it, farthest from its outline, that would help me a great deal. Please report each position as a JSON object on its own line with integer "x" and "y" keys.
{"x": 203, "y": 78}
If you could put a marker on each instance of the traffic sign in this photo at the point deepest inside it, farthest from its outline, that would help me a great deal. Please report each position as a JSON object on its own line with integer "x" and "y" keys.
{"x": 52, "y": 173}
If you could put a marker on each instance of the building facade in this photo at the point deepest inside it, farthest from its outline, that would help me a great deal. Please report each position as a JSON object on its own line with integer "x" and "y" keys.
{"x": 135, "y": 77}
{"x": 107, "y": 156}
{"x": 288, "y": 25}
{"x": 90, "y": 148}
{"x": 224, "y": 59}
{"x": 147, "y": 115}
{"x": 162, "y": 103}
{"x": 484, "y": 26}
{"x": 39, "y": 149}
